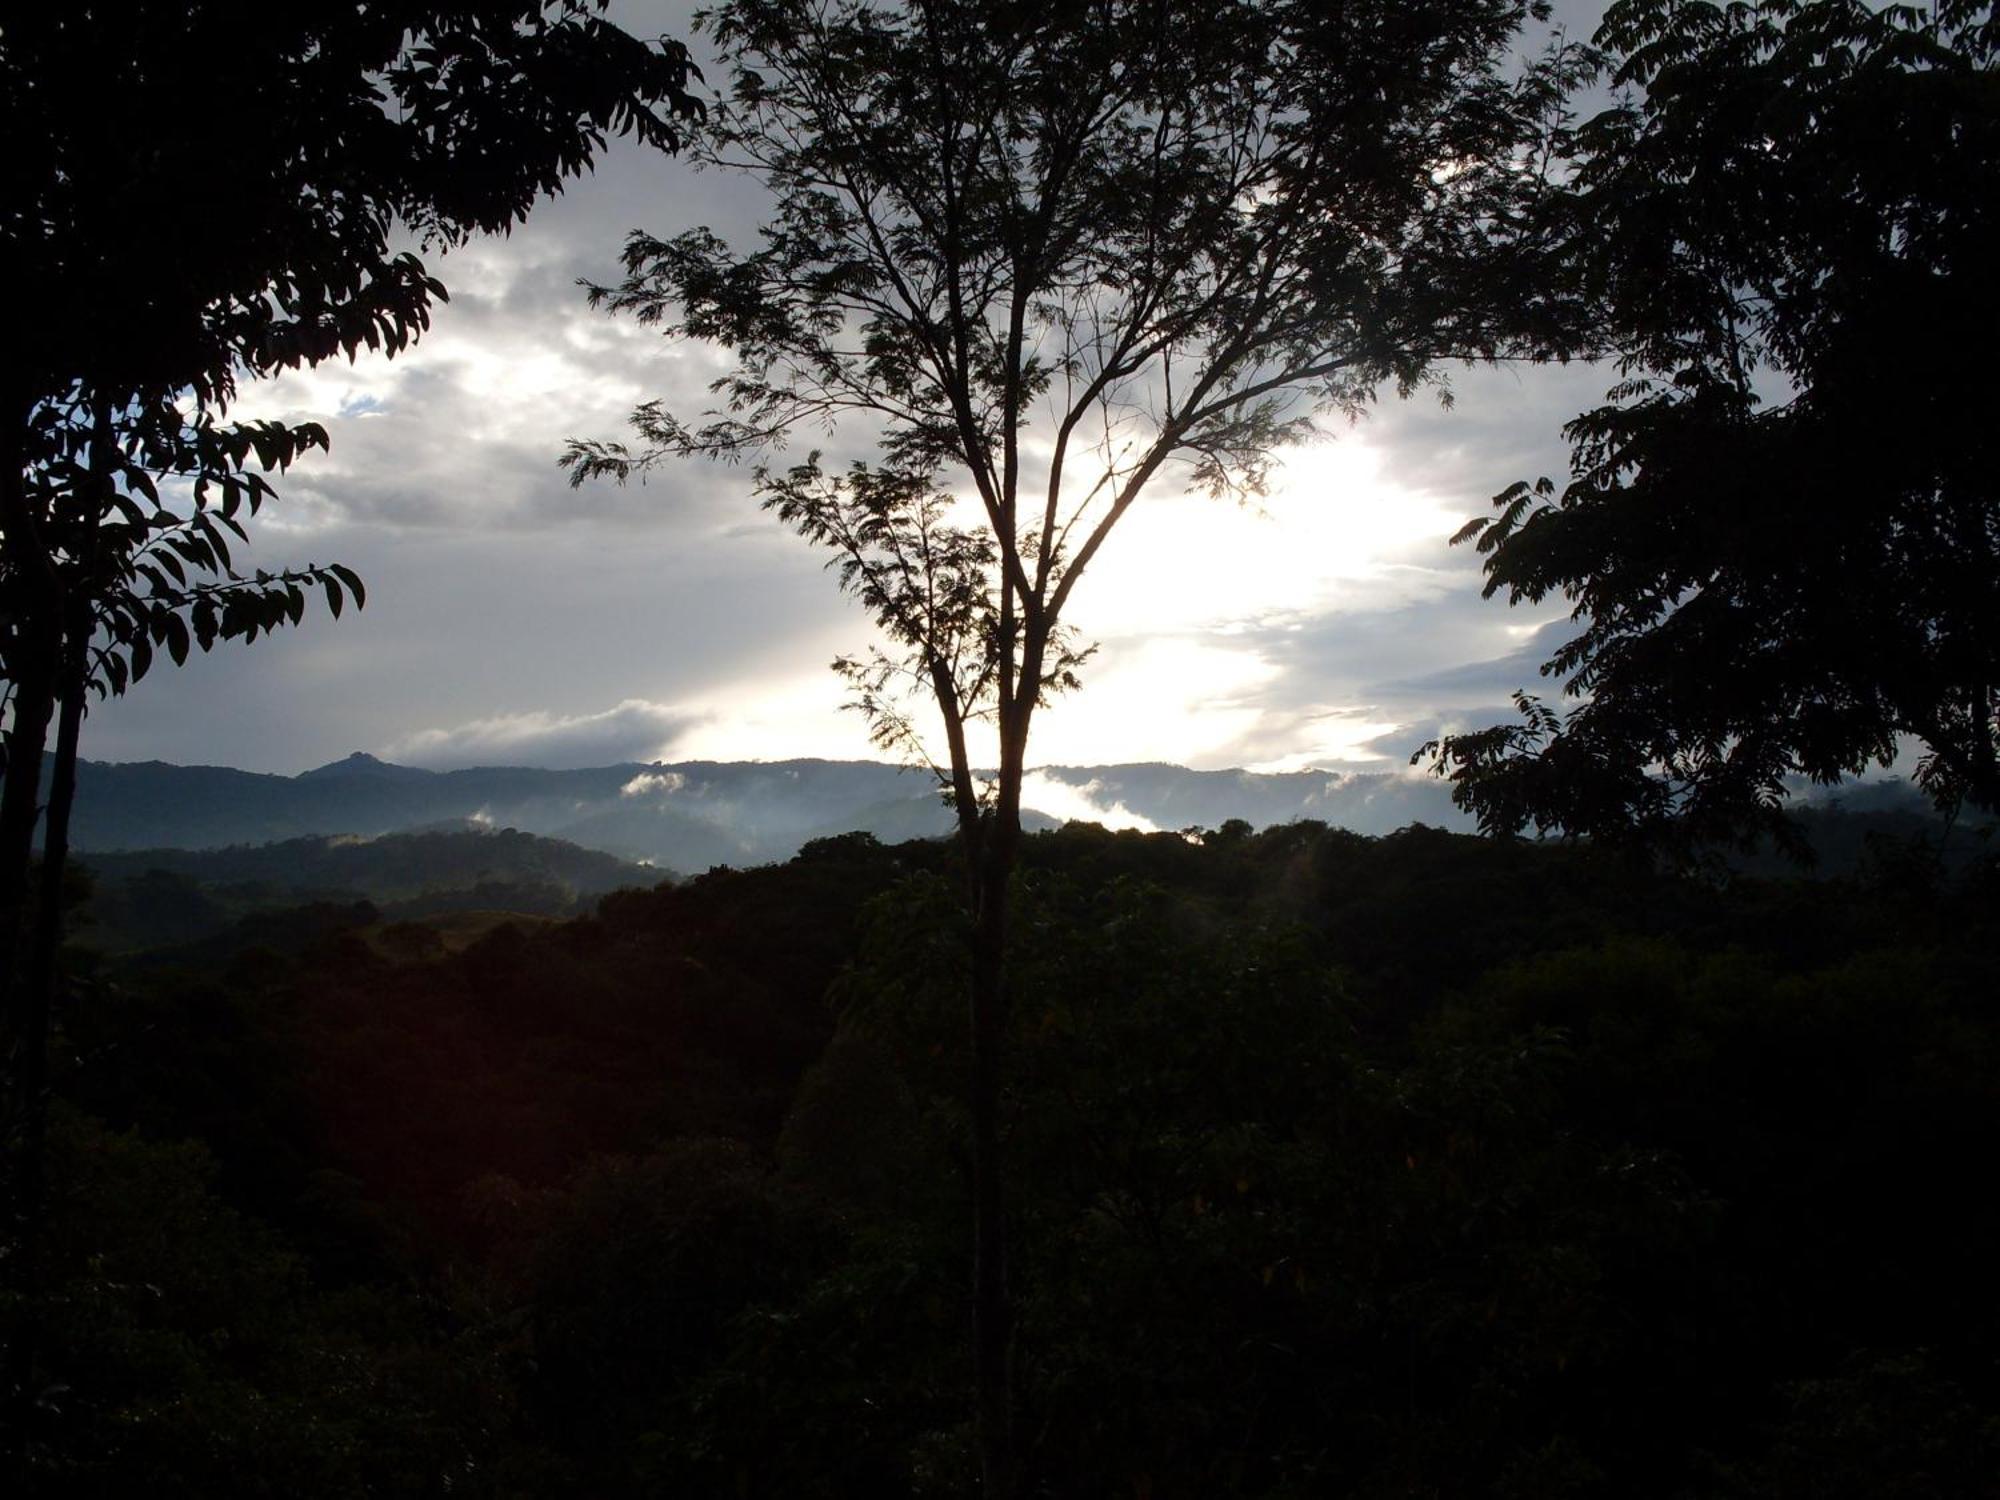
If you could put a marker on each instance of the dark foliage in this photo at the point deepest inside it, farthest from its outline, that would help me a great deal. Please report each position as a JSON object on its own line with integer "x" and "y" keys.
{"x": 165, "y": 898}
{"x": 1372, "y": 1167}
{"x": 205, "y": 188}
{"x": 1781, "y": 531}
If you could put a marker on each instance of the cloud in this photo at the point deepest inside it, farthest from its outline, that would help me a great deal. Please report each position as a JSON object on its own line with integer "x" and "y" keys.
{"x": 1074, "y": 803}
{"x": 635, "y": 730}
{"x": 1348, "y": 688}
{"x": 1504, "y": 424}
{"x": 1520, "y": 668}
{"x": 651, "y": 783}
{"x": 1286, "y": 637}
{"x": 463, "y": 430}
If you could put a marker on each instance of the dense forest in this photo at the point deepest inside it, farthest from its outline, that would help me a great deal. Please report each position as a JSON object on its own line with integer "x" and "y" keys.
{"x": 1418, "y": 1165}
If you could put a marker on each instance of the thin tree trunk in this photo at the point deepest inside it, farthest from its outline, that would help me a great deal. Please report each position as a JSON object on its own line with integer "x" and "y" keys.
{"x": 993, "y": 1312}
{"x": 35, "y": 673}
{"x": 20, "y": 809}
{"x": 36, "y": 604}
{"x": 28, "y": 1066}
{"x": 992, "y": 1309}
{"x": 989, "y": 857}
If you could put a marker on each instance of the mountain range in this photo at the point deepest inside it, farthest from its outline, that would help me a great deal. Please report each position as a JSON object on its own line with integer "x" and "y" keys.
{"x": 689, "y": 816}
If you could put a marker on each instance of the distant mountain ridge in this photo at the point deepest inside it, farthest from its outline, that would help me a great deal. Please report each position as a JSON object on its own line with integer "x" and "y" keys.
{"x": 690, "y": 815}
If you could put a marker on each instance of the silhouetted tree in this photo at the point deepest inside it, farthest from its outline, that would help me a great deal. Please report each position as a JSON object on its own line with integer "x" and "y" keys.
{"x": 1042, "y": 255}
{"x": 1781, "y": 531}
{"x": 193, "y": 192}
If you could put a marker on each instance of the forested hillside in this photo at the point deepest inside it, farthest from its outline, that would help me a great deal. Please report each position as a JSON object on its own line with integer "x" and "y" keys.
{"x": 154, "y": 898}
{"x": 1372, "y": 1167}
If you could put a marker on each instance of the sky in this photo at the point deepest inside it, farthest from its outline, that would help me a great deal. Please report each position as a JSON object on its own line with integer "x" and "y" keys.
{"x": 513, "y": 620}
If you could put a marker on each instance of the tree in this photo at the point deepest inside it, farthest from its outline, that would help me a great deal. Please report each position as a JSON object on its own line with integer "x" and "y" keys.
{"x": 194, "y": 193}
{"x": 1041, "y": 256}
{"x": 1781, "y": 532}
{"x": 158, "y": 250}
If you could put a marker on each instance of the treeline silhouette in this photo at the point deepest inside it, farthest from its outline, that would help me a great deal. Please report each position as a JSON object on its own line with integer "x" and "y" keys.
{"x": 1413, "y": 1165}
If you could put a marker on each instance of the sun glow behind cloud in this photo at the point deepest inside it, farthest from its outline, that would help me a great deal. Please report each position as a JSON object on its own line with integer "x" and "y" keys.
{"x": 1184, "y": 601}
{"x": 1178, "y": 602}
{"x": 1332, "y": 530}
{"x": 1188, "y": 585}
{"x": 780, "y": 717}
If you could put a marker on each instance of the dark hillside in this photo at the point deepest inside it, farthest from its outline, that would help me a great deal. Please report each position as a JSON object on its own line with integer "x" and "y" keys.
{"x": 153, "y": 898}
{"x": 1373, "y": 1167}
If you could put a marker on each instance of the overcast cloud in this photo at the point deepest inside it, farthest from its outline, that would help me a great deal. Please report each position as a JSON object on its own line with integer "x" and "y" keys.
{"x": 633, "y": 731}
{"x": 511, "y": 619}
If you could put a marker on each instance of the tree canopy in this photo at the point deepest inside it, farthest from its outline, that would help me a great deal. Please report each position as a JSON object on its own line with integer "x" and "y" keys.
{"x": 198, "y": 189}
{"x": 1781, "y": 531}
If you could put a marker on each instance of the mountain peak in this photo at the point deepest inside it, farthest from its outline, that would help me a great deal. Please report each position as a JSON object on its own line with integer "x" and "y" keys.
{"x": 360, "y": 763}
